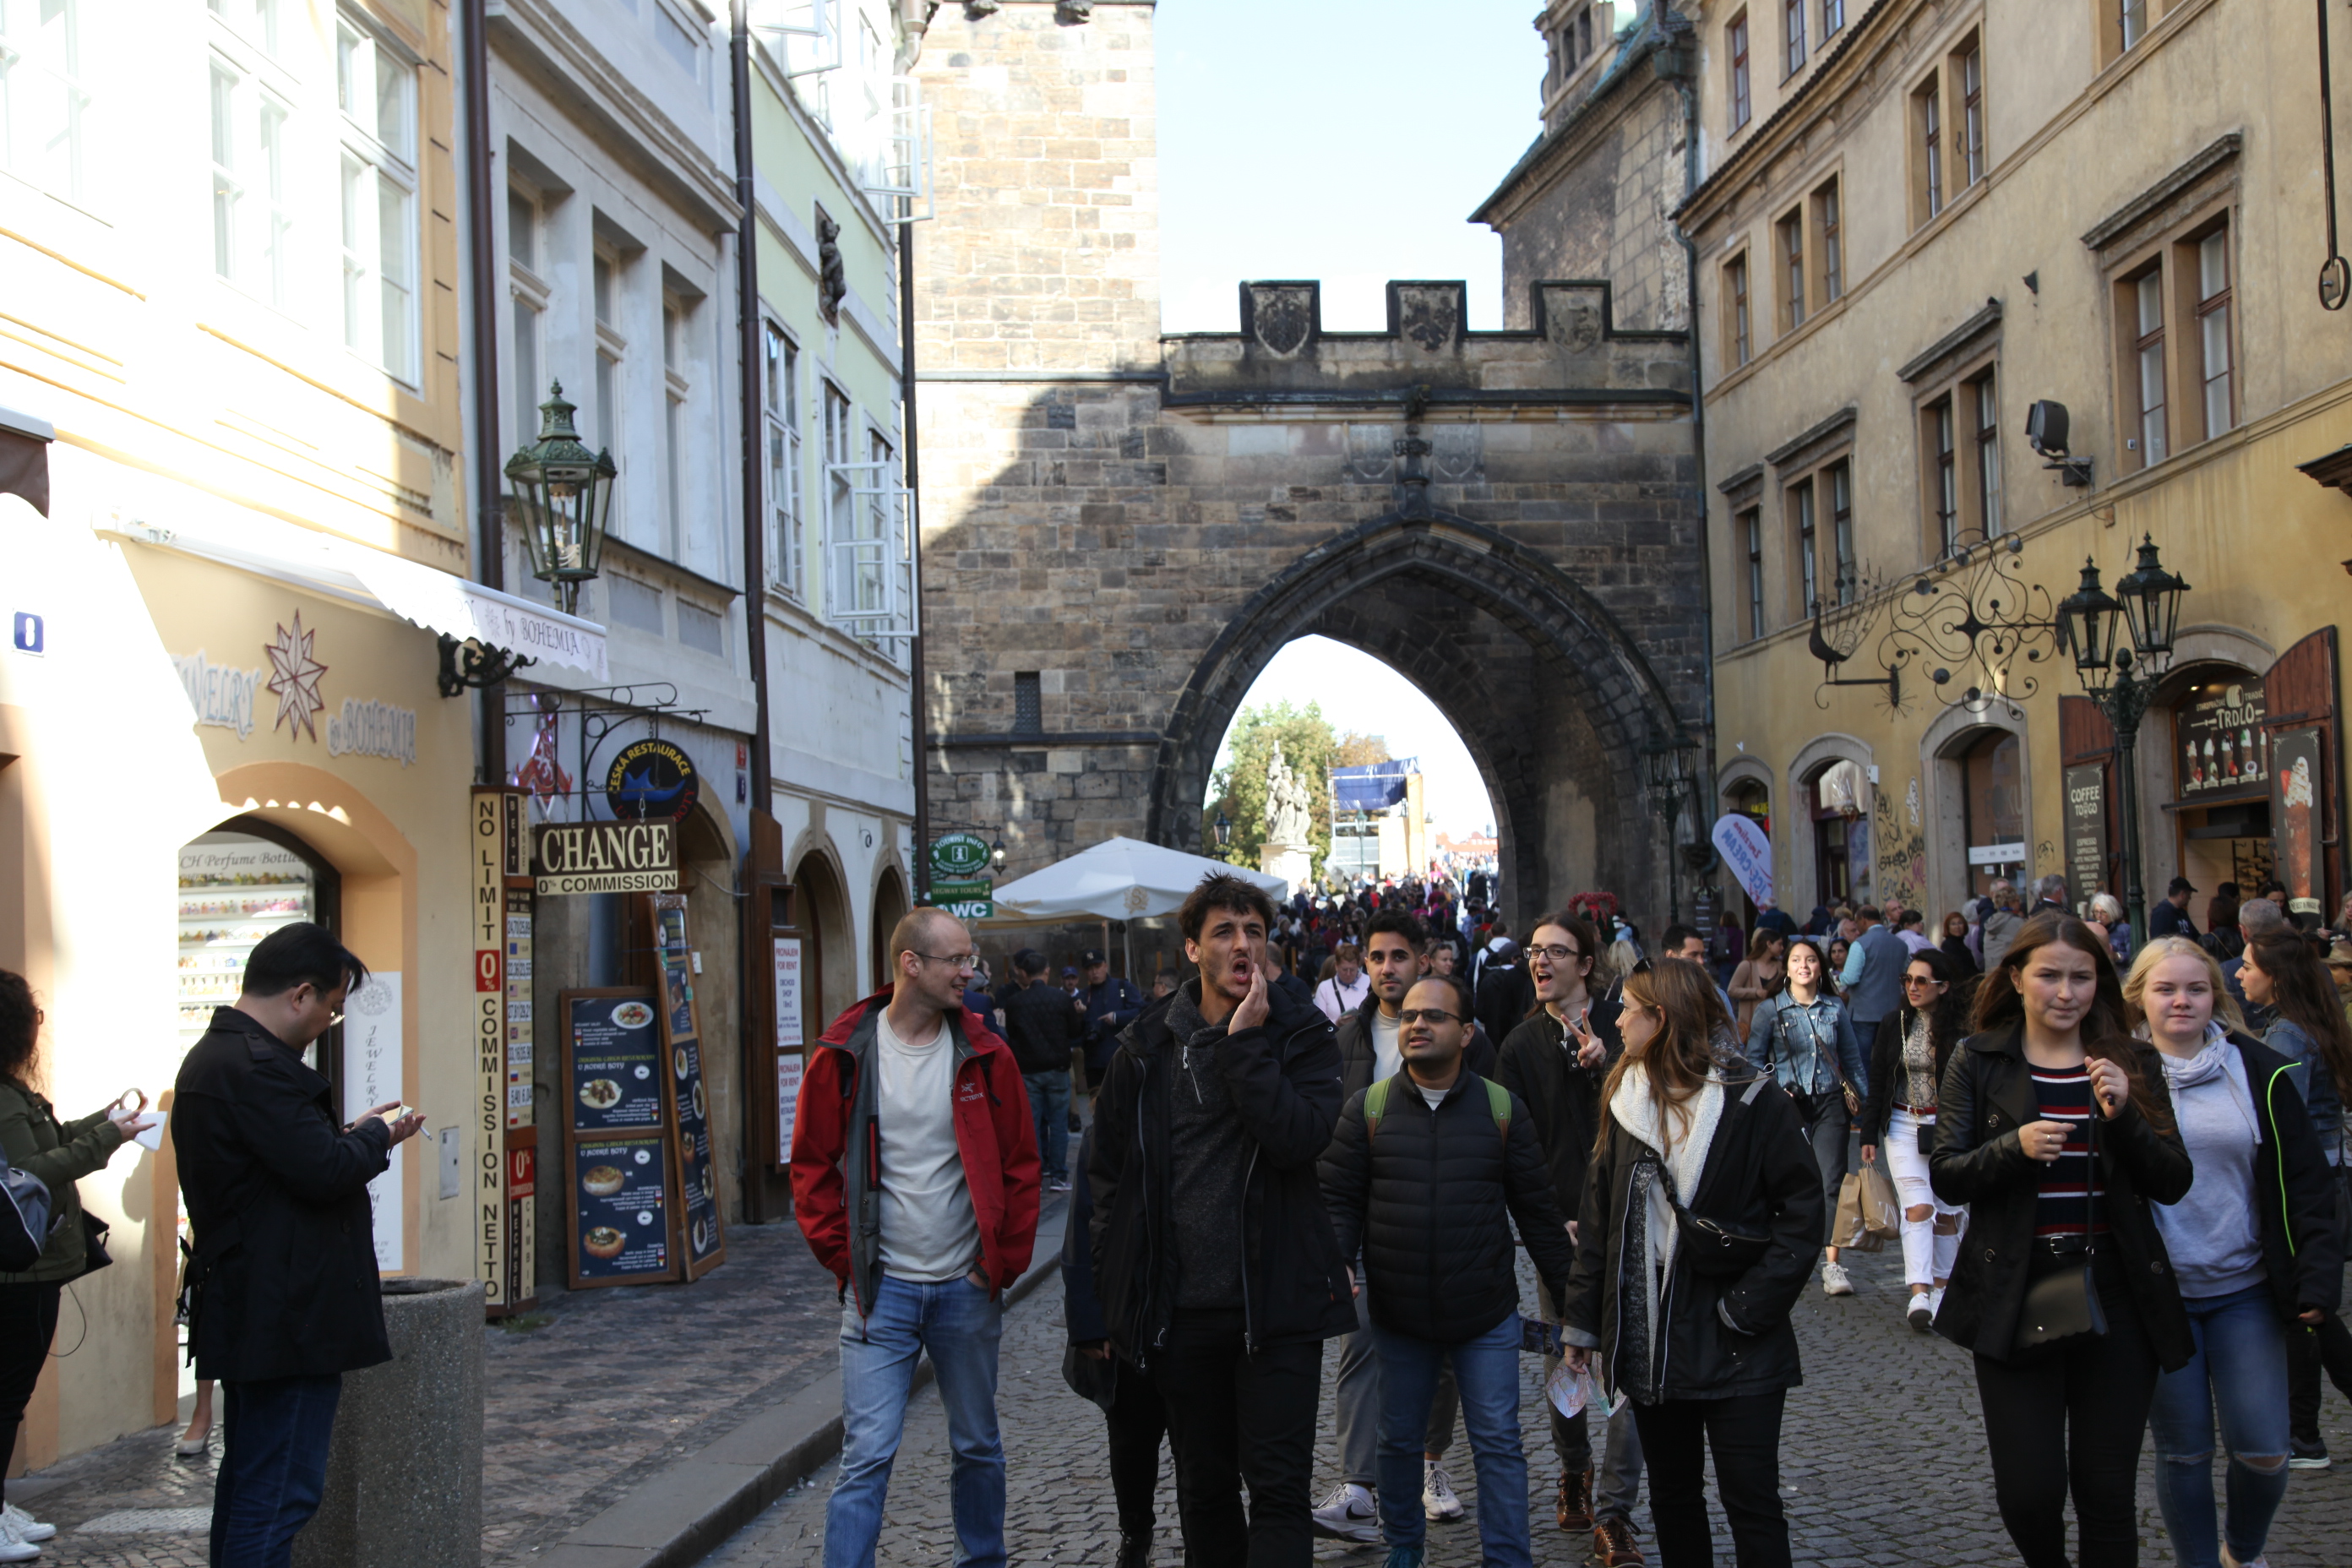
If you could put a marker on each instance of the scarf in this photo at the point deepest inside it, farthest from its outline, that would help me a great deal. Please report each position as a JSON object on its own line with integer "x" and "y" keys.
{"x": 1685, "y": 1161}
{"x": 2219, "y": 1060}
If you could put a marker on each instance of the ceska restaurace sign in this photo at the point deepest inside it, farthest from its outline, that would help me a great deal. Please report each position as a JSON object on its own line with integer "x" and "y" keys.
{"x": 605, "y": 856}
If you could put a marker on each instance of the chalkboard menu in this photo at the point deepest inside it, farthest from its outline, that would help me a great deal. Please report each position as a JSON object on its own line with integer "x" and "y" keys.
{"x": 619, "y": 1165}
{"x": 701, "y": 1233}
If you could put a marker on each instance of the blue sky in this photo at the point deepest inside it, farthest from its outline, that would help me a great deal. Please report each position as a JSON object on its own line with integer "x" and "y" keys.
{"x": 1344, "y": 140}
{"x": 1347, "y": 140}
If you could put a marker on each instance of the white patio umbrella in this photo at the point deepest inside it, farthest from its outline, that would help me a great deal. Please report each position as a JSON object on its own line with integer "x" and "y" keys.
{"x": 1117, "y": 879}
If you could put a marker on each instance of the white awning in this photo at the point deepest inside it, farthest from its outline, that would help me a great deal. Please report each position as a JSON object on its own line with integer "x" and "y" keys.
{"x": 198, "y": 524}
{"x": 1119, "y": 879}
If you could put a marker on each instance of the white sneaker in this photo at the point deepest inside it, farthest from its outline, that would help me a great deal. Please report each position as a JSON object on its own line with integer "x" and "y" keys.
{"x": 1437, "y": 1498}
{"x": 27, "y": 1527}
{"x": 1834, "y": 1282}
{"x": 1922, "y": 1311}
{"x": 1348, "y": 1514}
{"x": 14, "y": 1548}
{"x": 1935, "y": 1304}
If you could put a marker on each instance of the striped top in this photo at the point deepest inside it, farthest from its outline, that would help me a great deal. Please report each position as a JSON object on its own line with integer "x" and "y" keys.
{"x": 2069, "y": 1183}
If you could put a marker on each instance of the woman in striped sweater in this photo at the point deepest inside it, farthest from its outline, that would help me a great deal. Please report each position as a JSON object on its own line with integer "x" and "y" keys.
{"x": 2055, "y": 1128}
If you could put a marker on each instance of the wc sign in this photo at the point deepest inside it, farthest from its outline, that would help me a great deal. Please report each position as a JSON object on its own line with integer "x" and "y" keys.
{"x": 29, "y": 633}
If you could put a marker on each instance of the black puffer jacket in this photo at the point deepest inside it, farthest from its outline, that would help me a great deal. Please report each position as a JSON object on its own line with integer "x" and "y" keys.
{"x": 1987, "y": 1095}
{"x": 1431, "y": 1194}
{"x": 1042, "y": 1026}
{"x": 1283, "y": 1077}
{"x": 2294, "y": 1189}
{"x": 1563, "y": 1097}
{"x": 1358, "y": 1058}
{"x": 1759, "y": 1177}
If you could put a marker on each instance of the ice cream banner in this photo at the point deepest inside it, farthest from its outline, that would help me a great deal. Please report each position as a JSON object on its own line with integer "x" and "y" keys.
{"x": 1741, "y": 841}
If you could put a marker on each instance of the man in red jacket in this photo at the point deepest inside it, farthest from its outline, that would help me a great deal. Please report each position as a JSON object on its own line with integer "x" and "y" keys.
{"x": 913, "y": 1119}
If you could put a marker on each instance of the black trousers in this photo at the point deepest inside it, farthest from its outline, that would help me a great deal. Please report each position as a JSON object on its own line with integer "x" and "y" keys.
{"x": 1744, "y": 1433}
{"x": 2072, "y": 1418}
{"x": 1138, "y": 1420}
{"x": 2308, "y": 1351}
{"x": 1235, "y": 1417}
{"x": 28, "y": 1323}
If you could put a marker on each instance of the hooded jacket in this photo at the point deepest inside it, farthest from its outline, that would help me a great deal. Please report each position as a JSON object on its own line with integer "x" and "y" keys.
{"x": 1720, "y": 1336}
{"x": 2294, "y": 1188}
{"x": 1430, "y": 1194}
{"x": 1283, "y": 1077}
{"x": 1563, "y": 1100}
{"x": 1978, "y": 1161}
{"x": 837, "y": 1151}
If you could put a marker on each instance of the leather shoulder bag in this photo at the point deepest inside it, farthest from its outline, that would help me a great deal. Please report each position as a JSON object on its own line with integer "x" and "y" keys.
{"x": 1715, "y": 1249}
{"x": 2063, "y": 1304}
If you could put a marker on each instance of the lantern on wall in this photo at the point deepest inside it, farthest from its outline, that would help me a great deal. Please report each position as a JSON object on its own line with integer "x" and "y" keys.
{"x": 562, "y": 494}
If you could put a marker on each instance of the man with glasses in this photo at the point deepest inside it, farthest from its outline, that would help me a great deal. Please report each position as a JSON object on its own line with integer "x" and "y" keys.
{"x": 1555, "y": 1063}
{"x": 912, "y": 1118}
{"x": 1427, "y": 1172}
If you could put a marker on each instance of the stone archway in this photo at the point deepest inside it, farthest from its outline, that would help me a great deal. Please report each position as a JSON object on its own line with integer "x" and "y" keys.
{"x": 1551, "y": 696}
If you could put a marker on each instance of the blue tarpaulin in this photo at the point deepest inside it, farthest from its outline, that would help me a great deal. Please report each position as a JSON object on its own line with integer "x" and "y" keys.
{"x": 1375, "y": 786}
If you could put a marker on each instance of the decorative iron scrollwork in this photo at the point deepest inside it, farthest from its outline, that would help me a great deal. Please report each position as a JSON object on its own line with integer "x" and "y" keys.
{"x": 1970, "y": 626}
{"x": 468, "y": 664}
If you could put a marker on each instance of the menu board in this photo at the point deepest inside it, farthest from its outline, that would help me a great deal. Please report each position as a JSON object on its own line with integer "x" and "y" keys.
{"x": 2218, "y": 732}
{"x": 618, "y": 1165}
{"x": 2086, "y": 829}
{"x": 701, "y": 1233}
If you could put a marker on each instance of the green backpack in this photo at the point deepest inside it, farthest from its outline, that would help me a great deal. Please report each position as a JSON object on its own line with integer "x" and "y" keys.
{"x": 1498, "y": 1101}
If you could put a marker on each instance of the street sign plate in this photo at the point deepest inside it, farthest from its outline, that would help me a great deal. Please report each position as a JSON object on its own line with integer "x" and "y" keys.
{"x": 944, "y": 889}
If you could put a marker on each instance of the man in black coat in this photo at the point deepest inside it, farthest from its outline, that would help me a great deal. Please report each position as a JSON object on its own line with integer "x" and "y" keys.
{"x": 1113, "y": 1001}
{"x": 1428, "y": 1171}
{"x": 1213, "y": 1257}
{"x": 1043, "y": 1026}
{"x": 1556, "y": 1062}
{"x": 284, "y": 1298}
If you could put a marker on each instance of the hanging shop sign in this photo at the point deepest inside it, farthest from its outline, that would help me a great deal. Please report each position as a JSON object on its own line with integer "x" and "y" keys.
{"x": 701, "y": 1236}
{"x": 961, "y": 887}
{"x": 959, "y": 854}
{"x": 966, "y": 909}
{"x": 2223, "y": 747}
{"x": 652, "y": 780}
{"x": 620, "y": 1195}
{"x": 504, "y": 1247}
{"x": 604, "y": 856}
{"x": 2086, "y": 829}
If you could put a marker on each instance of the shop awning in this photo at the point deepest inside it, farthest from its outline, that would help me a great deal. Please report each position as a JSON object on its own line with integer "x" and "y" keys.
{"x": 340, "y": 568}
{"x": 1117, "y": 879}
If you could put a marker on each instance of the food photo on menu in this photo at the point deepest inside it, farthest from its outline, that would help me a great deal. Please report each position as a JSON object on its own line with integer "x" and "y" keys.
{"x": 622, "y": 1215}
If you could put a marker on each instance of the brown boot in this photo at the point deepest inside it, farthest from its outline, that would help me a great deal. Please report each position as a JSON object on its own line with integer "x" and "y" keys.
{"x": 1576, "y": 1501}
{"x": 1613, "y": 1544}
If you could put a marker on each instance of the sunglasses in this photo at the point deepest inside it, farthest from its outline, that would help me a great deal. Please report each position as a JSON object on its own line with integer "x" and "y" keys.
{"x": 1909, "y": 980}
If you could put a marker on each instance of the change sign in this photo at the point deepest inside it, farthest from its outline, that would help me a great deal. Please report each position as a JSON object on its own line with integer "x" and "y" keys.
{"x": 605, "y": 857}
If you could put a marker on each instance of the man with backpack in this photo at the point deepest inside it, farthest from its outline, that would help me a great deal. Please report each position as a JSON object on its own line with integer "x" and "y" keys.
{"x": 1427, "y": 1172}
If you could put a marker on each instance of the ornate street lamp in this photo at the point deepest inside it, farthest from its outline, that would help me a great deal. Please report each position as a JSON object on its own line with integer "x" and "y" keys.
{"x": 1666, "y": 781}
{"x": 1224, "y": 829}
{"x": 996, "y": 852}
{"x": 2121, "y": 648}
{"x": 563, "y": 495}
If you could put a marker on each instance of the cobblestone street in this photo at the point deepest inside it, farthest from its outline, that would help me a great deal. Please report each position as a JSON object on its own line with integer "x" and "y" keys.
{"x": 1858, "y": 1463}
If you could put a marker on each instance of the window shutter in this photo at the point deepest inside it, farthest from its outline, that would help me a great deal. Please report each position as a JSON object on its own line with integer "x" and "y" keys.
{"x": 2299, "y": 697}
{"x": 2084, "y": 734}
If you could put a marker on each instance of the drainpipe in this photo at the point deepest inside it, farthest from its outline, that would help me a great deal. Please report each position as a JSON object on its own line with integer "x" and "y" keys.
{"x": 1677, "y": 66}
{"x": 489, "y": 515}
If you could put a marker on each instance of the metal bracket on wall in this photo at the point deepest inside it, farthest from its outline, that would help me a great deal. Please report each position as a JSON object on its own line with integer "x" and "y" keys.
{"x": 469, "y": 665}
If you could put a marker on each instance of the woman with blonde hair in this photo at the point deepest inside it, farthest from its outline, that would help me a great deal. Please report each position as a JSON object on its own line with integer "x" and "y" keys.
{"x": 1624, "y": 955}
{"x": 2252, "y": 1247}
{"x": 1701, "y": 1217}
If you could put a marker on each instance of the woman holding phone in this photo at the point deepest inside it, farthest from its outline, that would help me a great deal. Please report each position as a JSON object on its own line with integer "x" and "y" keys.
{"x": 59, "y": 1154}
{"x": 2054, "y": 1129}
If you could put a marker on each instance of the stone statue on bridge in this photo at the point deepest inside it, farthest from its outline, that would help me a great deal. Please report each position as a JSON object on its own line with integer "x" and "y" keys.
{"x": 1287, "y": 822}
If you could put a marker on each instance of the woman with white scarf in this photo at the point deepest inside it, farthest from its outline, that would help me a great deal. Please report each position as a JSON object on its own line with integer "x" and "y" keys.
{"x": 2254, "y": 1246}
{"x": 1701, "y": 1219}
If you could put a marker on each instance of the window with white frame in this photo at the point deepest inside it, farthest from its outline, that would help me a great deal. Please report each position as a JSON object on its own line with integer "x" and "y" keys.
{"x": 676, "y": 391}
{"x": 529, "y": 295}
{"x": 46, "y": 101}
{"x": 879, "y": 525}
{"x": 841, "y": 522}
{"x": 375, "y": 89}
{"x": 781, "y": 364}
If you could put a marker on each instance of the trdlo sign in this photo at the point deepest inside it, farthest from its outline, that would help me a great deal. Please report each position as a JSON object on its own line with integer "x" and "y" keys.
{"x": 605, "y": 857}
{"x": 959, "y": 854}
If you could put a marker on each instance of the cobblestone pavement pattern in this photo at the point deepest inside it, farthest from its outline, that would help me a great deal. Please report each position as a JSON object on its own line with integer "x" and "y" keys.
{"x": 1858, "y": 1465}
{"x": 566, "y": 1431}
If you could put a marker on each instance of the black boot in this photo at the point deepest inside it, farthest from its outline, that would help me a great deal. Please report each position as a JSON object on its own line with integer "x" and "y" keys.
{"x": 1134, "y": 1549}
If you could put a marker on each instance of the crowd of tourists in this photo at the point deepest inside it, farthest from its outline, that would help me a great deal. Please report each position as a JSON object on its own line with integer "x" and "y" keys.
{"x": 2119, "y": 1186}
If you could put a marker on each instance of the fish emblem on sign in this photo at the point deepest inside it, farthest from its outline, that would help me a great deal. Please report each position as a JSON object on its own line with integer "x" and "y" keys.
{"x": 652, "y": 779}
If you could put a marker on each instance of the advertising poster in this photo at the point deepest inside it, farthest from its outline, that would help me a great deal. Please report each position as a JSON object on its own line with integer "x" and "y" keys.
{"x": 620, "y": 1209}
{"x": 2086, "y": 829}
{"x": 2296, "y": 819}
{"x": 788, "y": 1101}
{"x": 619, "y": 1168}
{"x": 615, "y": 1057}
{"x": 372, "y": 1077}
{"x": 2222, "y": 745}
{"x": 700, "y": 1234}
{"x": 789, "y": 1024}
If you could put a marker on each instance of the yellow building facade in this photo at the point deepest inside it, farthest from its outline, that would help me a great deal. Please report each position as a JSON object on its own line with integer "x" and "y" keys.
{"x": 1919, "y": 224}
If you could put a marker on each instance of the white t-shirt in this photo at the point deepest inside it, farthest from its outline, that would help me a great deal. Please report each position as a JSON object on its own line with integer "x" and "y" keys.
{"x": 1388, "y": 1045}
{"x": 1436, "y": 1097}
{"x": 928, "y": 1231}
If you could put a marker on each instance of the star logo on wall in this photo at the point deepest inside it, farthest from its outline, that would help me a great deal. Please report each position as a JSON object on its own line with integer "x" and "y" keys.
{"x": 294, "y": 677}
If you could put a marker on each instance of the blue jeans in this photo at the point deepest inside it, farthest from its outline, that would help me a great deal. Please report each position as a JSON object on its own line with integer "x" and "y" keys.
{"x": 1049, "y": 1101}
{"x": 2239, "y": 1367}
{"x": 1487, "y": 1371}
{"x": 274, "y": 1436}
{"x": 959, "y": 1325}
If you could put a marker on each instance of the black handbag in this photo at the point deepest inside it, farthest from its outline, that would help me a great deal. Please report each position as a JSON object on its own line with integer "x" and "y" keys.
{"x": 94, "y": 1243}
{"x": 2063, "y": 1304}
{"x": 1715, "y": 1250}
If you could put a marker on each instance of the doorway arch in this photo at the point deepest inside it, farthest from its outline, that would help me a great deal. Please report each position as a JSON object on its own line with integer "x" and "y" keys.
{"x": 1551, "y": 695}
{"x": 821, "y": 907}
{"x": 889, "y": 908}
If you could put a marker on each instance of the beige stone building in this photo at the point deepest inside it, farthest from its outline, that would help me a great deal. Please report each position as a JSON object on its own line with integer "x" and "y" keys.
{"x": 1916, "y": 222}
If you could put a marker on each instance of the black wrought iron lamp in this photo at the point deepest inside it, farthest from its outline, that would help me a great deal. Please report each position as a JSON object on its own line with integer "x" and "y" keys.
{"x": 1666, "y": 781}
{"x": 1224, "y": 829}
{"x": 561, "y": 493}
{"x": 2121, "y": 648}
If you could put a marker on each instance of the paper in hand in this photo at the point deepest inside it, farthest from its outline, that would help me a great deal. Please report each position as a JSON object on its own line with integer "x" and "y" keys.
{"x": 149, "y": 1131}
{"x": 1567, "y": 1389}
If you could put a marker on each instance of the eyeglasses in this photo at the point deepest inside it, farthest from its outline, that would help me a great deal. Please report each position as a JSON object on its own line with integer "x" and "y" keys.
{"x": 1433, "y": 1014}
{"x": 1910, "y": 980}
{"x": 1556, "y": 953}
{"x": 960, "y": 960}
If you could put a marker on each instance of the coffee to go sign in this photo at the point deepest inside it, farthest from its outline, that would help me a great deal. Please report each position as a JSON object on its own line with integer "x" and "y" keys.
{"x": 605, "y": 857}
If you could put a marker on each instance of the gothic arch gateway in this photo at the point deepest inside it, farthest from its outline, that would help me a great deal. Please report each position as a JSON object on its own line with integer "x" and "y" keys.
{"x": 1506, "y": 518}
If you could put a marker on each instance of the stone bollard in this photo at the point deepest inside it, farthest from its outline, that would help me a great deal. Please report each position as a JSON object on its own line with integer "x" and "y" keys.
{"x": 404, "y": 1473}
